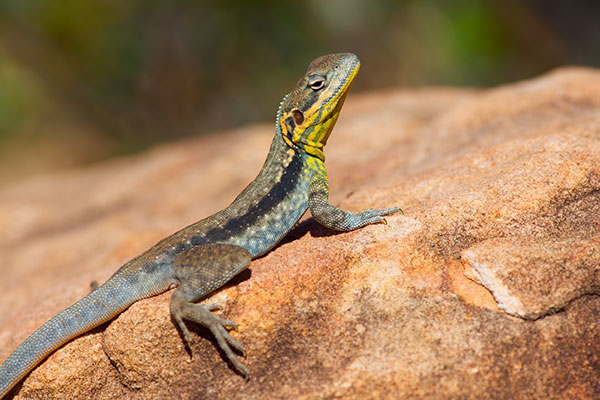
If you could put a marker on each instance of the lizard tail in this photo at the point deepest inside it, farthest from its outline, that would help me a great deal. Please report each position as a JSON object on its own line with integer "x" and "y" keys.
{"x": 104, "y": 303}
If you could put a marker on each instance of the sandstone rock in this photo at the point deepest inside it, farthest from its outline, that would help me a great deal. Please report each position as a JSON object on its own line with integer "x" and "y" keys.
{"x": 501, "y": 196}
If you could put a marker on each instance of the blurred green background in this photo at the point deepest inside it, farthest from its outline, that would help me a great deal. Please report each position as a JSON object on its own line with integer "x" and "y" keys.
{"x": 82, "y": 81}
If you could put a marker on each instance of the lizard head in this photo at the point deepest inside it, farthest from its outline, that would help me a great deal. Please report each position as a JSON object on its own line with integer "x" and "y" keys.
{"x": 308, "y": 113}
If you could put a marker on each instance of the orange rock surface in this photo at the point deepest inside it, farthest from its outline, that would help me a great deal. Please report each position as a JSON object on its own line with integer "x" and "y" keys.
{"x": 486, "y": 287}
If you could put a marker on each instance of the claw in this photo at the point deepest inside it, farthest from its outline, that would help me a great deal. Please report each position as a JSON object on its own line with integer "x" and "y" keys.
{"x": 391, "y": 210}
{"x": 213, "y": 307}
{"x": 227, "y": 323}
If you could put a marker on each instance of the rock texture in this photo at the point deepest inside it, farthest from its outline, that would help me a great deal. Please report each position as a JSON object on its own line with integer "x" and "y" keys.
{"x": 486, "y": 288}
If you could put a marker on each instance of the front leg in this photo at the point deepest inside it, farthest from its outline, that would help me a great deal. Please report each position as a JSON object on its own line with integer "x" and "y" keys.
{"x": 335, "y": 218}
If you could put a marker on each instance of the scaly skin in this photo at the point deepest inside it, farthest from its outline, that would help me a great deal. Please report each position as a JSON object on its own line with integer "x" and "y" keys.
{"x": 203, "y": 256}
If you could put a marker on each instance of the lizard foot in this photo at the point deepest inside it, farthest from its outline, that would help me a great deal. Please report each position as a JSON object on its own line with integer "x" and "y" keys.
{"x": 371, "y": 216}
{"x": 200, "y": 314}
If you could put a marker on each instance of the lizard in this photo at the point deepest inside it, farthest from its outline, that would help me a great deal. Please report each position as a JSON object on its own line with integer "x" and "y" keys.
{"x": 202, "y": 257}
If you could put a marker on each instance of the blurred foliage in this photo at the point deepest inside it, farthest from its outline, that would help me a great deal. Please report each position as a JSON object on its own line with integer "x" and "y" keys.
{"x": 85, "y": 80}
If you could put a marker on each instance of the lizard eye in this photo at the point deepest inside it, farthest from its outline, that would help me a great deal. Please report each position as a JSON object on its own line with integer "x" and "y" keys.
{"x": 316, "y": 82}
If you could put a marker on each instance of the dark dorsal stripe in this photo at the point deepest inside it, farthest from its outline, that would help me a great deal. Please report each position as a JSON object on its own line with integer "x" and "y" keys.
{"x": 278, "y": 192}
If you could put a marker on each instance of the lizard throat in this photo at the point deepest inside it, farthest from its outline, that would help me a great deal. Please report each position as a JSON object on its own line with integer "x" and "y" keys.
{"x": 303, "y": 141}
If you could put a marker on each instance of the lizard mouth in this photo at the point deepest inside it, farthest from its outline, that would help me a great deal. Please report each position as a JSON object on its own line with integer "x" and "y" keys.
{"x": 350, "y": 65}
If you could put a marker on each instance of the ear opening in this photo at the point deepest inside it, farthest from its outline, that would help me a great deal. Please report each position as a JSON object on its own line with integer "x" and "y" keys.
{"x": 298, "y": 117}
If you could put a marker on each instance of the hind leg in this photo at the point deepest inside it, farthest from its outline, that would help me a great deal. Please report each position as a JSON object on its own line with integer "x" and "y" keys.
{"x": 199, "y": 271}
